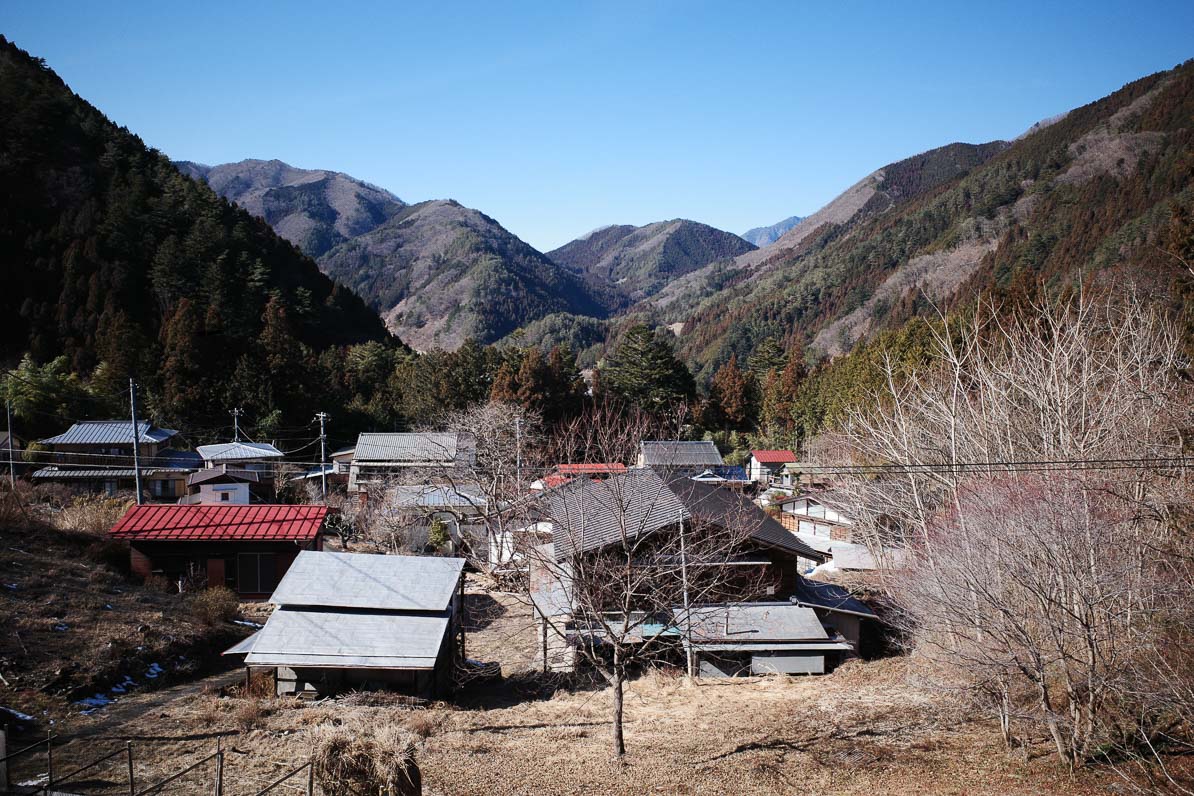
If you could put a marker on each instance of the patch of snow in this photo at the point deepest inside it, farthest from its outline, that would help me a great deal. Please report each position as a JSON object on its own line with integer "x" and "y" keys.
{"x": 61, "y": 627}
{"x": 246, "y": 623}
{"x": 153, "y": 671}
{"x": 18, "y": 715}
{"x": 94, "y": 703}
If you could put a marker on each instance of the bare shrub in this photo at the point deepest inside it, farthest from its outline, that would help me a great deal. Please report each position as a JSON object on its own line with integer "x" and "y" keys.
{"x": 357, "y": 757}
{"x": 90, "y": 514}
{"x": 1028, "y": 478}
{"x": 159, "y": 583}
{"x": 215, "y": 605}
{"x": 250, "y": 713}
{"x": 424, "y": 723}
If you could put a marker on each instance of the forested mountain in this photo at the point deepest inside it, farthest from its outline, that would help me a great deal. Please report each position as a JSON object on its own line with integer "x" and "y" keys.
{"x": 124, "y": 266}
{"x": 439, "y": 272}
{"x": 765, "y": 236}
{"x": 639, "y": 261}
{"x": 312, "y": 208}
{"x": 1090, "y": 194}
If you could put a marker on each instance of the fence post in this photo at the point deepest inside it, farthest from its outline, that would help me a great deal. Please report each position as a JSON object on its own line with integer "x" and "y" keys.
{"x": 3, "y": 752}
{"x": 219, "y": 768}
{"x": 310, "y": 778}
{"x": 49, "y": 760}
{"x": 128, "y": 747}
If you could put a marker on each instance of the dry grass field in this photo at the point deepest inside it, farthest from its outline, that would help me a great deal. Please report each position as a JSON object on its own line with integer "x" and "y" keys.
{"x": 866, "y": 729}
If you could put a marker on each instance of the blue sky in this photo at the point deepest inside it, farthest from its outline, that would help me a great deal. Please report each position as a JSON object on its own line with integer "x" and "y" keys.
{"x": 556, "y": 118}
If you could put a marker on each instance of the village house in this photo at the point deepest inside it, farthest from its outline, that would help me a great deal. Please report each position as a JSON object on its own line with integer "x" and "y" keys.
{"x": 225, "y": 485}
{"x": 259, "y": 457}
{"x": 354, "y": 621}
{"x": 822, "y": 523}
{"x": 796, "y": 477}
{"x": 774, "y": 625}
{"x": 461, "y": 509}
{"x": 764, "y": 465}
{"x": 419, "y": 456}
{"x": 679, "y": 456}
{"x": 246, "y": 548}
{"x": 97, "y": 456}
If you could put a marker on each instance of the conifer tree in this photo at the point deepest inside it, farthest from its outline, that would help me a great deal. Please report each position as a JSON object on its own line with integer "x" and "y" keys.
{"x": 644, "y": 371}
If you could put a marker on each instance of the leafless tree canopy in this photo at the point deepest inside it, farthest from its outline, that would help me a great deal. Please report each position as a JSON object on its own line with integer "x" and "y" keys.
{"x": 1033, "y": 478}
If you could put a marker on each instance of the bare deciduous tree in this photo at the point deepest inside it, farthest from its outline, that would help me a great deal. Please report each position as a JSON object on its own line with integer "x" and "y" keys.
{"x": 1029, "y": 475}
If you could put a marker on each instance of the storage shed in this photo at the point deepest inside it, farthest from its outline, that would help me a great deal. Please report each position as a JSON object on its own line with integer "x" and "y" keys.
{"x": 247, "y": 548}
{"x": 762, "y": 638}
{"x": 350, "y": 620}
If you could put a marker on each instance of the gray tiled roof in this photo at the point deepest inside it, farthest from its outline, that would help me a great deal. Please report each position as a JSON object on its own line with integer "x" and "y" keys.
{"x": 359, "y": 580}
{"x": 349, "y": 639}
{"x": 222, "y": 473}
{"x": 109, "y": 432}
{"x": 675, "y": 453}
{"x": 755, "y": 623}
{"x": 438, "y": 447}
{"x": 587, "y": 514}
{"x": 238, "y": 451}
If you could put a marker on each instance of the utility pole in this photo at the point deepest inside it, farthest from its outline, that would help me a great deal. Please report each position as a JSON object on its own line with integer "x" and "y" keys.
{"x": 323, "y": 454}
{"x": 236, "y": 413}
{"x": 518, "y": 452}
{"x": 136, "y": 438}
{"x": 12, "y": 468}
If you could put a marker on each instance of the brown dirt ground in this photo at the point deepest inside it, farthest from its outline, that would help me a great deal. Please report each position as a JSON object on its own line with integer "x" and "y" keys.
{"x": 862, "y": 730}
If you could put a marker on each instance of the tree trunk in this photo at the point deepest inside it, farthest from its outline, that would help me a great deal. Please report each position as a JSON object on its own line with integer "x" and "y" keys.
{"x": 619, "y": 742}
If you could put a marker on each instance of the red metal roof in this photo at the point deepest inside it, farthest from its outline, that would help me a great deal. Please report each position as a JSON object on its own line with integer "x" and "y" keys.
{"x": 774, "y": 457}
{"x": 208, "y": 523}
{"x": 599, "y": 467}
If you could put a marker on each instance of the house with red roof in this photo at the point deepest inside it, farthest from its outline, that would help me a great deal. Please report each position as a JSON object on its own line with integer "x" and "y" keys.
{"x": 247, "y": 548}
{"x": 765, "y": 464}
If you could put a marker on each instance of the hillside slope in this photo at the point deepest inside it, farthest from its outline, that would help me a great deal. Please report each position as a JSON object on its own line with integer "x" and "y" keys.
{"x": 314, "y": 209}
{"x": 765, "y": 236}
{"x": 1090, "y": 193}
{"x": 642, "y": 260}
{"x": 114, "y": 256}
{"x": 439, "y": 272}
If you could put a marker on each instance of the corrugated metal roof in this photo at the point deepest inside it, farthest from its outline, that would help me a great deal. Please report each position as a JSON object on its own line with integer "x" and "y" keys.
{"x": 774, "y": 456}
{"x": 829, "y": 596}
{"x": 436, "y": 497}
{"x": 109, "y": 432}
{"x": 361, "y": 580}
{"x": 349, "y": 639}
{"x": 754, "y": 623}
{"x": 242, "y": 647}
{"x": 676, "y": 453}
{"x": 589, "y": 514}
{"x": 223, "y": 473}
{"x": 55, "y": 473}
{"x": 726, "y": 472}
{"x": 238, "y": 451}
{"x": 439, "y": 447}
{"x": 203, "y": 523}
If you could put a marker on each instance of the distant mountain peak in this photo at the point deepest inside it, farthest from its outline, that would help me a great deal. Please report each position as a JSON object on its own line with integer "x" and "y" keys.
{"x": 765, "y": 236}
{"x": 642, "y": 260}
{"x": 315, "y": 209}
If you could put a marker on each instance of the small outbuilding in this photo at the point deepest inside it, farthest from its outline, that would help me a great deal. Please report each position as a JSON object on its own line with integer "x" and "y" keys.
{"x": 360, "y": 621}
{"x": 246, "y": 548}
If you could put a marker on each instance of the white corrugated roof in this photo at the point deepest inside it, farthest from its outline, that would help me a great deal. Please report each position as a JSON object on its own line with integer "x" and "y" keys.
{"x": 238, "y": 451}
{"x": 361, "y": 580}
{"x": 348, "y": 639}
{"x": 438, "y": 447}
{"x": 755, "y": 623}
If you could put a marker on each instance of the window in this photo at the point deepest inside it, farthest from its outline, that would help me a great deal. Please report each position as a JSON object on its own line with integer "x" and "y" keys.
{"x": 256, "y": 573}
{"x": 163, "y": 487}
{"x": 110, "y": 488}
{"x": 225, "y": 497}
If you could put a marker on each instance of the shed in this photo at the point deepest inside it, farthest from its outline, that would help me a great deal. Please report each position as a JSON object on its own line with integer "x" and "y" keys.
{"x": 349, "y": 620}
{"x": 761, "y": 638}
{"x": 247, "y": 548}
{"x": 767, "y": 464}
